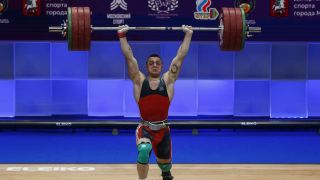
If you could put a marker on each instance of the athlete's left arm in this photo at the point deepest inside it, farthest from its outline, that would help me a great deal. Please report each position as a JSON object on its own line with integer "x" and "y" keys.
{"x": 177, "y": 61}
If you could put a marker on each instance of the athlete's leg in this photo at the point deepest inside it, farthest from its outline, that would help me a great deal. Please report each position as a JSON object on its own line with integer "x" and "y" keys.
{"x": 163, "y": 153}
{"x": 144, "y": 150}
{"x": 165, "y": 166}
{"x": 143, "y": 170}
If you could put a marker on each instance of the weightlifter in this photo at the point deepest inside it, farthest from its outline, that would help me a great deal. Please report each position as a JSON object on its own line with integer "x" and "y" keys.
{"x": 153, "y": 94}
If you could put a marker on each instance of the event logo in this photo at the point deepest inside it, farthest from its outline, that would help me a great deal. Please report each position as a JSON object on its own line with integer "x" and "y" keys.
{"x": 163, "y": 6}
{"x": 31, "y": 7}
{"x": 204, "y": 12}
{"x": 279, "y": 8}
{"x": 119, "y": 6}
{"x": 118, "y": 3}
{"x": 3, "y": 6}
{"x": 247, "y": 5}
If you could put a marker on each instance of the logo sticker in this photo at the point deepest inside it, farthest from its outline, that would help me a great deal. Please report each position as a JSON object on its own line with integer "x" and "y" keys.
{"x": 204, "y": 12}
{"x": 119, "y": 6}
{"x": 3, "y": 6}
{"x": 163, "y": 8}
{"x": 279, "y": 8}
{"x": 118, "y": 3}
{"x": 31, "y": 7}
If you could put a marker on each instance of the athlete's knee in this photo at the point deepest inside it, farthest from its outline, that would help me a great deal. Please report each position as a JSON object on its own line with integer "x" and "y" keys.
{"x": 144, "y": 150}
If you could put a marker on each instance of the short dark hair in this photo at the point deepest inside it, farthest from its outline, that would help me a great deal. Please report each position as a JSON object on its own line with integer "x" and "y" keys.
{"x": 153, "y": 55}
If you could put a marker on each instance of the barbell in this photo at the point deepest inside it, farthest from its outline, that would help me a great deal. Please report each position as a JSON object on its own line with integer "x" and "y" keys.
{"x": 232, "y": 31}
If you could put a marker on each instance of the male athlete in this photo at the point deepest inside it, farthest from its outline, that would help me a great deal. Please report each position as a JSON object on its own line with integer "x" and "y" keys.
{"x": 153, "y": 93}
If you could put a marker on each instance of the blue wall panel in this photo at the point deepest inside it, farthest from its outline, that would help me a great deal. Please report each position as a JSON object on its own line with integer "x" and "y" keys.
{"x": 69, "y": 97}
{"x": 214, "y": 63}
{"x": 289, "y": 61}
{"x": 252, "y": 98}
{"x": 33, "y": 98}
{"x": 288, "y": 99}
{"x": 130, "y": 104}
{"x": 314, "y": 61}
{"x": 7, "y": 98}
{"x": 6, "y": 60}
{"x": 106, "y": 97}
{"x": 32, "y": 60}
{"x": 253, "y": 62}
{"x": 106, "y": 61}
{"x": 184, "y": 102}
{"x": 313, "y": 97}
{"x": 215, "y": 97}
{"x": 67, "y": 64}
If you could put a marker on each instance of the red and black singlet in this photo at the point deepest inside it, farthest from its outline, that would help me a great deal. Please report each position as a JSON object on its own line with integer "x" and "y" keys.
{"x": 154, "y": 104}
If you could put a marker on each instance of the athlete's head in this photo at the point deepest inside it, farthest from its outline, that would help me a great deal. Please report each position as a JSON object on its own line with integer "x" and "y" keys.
{"x": 154, "y": 65}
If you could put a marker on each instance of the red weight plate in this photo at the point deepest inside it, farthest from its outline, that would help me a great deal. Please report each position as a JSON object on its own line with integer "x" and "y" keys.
{"x": 233, "y": 29}
{"x": 75, "y": 29}
{"x": 225, "y": 20}
{"x": 87, "y": 28}
{"x": 239, "y": 33}
{"x": 81, "y": 28}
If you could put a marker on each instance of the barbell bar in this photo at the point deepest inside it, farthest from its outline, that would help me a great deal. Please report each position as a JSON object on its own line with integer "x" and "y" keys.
{"x": 60, "y": 28}
{"x": 232, "y": 30}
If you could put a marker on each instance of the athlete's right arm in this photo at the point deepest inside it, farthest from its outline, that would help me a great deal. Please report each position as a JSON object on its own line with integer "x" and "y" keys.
{"x": 133, "y": 68}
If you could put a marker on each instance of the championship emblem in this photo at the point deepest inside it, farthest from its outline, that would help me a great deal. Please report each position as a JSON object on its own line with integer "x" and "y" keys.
{"x": 163, "y": 6}
{"x": 118, "y": 3}
{"x": 247, "y": 5}
{"x": 279, "y": 8}
{"x": 31, "y": 7}
{"x": 3, "y": 6}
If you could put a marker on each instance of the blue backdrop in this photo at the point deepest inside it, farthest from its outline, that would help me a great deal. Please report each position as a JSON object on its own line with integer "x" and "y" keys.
{"x": 265, "y": 79}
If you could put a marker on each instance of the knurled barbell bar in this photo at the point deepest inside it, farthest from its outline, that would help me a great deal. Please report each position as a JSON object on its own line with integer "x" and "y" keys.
{"x": 233, "y": 29}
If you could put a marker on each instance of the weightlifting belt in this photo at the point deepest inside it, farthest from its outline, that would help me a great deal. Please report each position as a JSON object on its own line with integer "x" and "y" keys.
{"x": 155, "y": 125}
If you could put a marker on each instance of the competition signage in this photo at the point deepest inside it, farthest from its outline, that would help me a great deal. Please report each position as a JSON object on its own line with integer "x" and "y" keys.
{"x": 280, "y": 20}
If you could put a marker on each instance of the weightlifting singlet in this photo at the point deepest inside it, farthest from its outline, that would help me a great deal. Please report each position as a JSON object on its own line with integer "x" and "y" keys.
{"x": 154, "y": 104}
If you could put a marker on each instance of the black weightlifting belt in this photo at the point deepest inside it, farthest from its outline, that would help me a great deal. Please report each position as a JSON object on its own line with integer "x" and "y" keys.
{"x": 155, "y": 125}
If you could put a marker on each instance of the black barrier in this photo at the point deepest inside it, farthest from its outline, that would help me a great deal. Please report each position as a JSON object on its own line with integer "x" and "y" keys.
{"x": 176, "y": 124}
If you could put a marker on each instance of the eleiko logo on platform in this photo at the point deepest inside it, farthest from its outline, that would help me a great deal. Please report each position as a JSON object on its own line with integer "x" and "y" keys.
{"x": 49, "y": 169}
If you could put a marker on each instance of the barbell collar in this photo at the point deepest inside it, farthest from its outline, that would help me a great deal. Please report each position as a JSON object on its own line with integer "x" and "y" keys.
{"x": 55, "y": 28}
{"x": 254, "y": 29}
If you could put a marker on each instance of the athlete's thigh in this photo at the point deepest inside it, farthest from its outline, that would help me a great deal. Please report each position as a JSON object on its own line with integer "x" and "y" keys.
{"x": 163, "y": 148}
{"x": 142, "y": 135}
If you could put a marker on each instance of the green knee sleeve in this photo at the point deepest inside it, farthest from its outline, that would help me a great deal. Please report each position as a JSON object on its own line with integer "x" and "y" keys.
{"x": 144, "y": 150}
{"x": 166, "y": 167}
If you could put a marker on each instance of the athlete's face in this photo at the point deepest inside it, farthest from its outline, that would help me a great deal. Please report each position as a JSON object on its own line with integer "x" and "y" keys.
{"x": 154, "y": 66}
